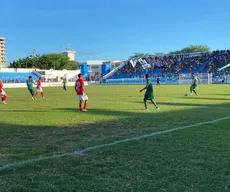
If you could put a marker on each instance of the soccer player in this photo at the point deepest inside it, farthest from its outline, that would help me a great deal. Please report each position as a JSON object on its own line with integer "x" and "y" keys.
{"x": 149, "y": 93}
{"x": 79, "y": 88}
{"x": 158, "y": 81}
{"x": 39, "y": 89}
{"x": 30, "y": 86}
{"x": 194, "y": 84}
{"x": 2, "y": 93}
{"x": 64, "y": 84}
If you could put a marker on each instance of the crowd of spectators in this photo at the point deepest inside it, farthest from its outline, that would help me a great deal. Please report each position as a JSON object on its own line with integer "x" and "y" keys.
{"x": 217, "y": 59}
{"x": 172, "y": 65}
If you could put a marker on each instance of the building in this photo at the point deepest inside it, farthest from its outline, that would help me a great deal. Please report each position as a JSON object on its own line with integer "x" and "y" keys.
{"x": 95, "y": 67}
{"x": 2, "y": 53}
{"x": 71, "y": 54}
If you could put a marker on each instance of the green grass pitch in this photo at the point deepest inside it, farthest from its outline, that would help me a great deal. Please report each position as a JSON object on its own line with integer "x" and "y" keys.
{"x": 192, "y": 160}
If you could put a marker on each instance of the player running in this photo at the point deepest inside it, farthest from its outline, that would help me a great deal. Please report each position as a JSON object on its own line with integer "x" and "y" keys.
{"x": 149, "y": 93}
{"x": 39, "y": 89}
{"x": 2, "y": 93}
{"x": 194, "y": 84}
{"x": 79, "y": 88}
{"x": 29, "y": 83}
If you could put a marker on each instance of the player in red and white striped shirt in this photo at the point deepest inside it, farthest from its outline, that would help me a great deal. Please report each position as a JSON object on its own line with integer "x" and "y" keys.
{"x": 2, "y": 93}
{"x": 39, "y": 88}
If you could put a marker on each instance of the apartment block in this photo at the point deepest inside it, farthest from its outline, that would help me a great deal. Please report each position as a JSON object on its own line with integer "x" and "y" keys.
{"x": 2, "y": 53}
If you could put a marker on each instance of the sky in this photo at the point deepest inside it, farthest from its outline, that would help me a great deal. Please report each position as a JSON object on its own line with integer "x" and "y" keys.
{"x": 112, "y": 29}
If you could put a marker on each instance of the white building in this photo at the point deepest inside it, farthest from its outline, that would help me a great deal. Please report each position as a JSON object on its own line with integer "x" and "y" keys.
{"x": 95, "y": 66}
{"x": 71, "y": 54}
{"x": 2, "y": 52}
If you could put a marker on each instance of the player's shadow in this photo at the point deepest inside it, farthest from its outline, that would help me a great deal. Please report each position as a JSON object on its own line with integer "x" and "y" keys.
{"x": 223, "y": 94}
{"x": 189, "y": 104}
{"x": 23, "y": 111}
{"x": 96, "y": 111}
{"x": 206, "y": 98}
{"x": 195, "y": 105}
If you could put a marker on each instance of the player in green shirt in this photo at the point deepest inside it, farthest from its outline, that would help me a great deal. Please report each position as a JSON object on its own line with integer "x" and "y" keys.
{"x": 149, "y": 93}
{"x": 194, "y": 84}
{"x": 64, "y": 87}
{"x": 29, "y": 83}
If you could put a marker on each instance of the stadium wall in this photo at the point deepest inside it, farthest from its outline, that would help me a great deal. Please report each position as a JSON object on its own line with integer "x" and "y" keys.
{"x": 49, "y": 84}
{"x": 23, "y": 85}
{"x": 204, "y": 78}
{"x": 133, "y": 81}
{"x": 217, "y": 80}
{"x": 23, "y": 70}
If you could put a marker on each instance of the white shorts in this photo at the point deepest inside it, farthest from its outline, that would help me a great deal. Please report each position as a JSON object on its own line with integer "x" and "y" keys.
{"x": 39, "y": 90}
{"x": 82, "y": 97}
{"x": 2, "y": 93}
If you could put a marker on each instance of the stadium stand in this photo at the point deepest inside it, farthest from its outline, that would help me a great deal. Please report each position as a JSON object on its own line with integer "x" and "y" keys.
{"x": 217, "y": 59}
{"x": 172, "y": 65}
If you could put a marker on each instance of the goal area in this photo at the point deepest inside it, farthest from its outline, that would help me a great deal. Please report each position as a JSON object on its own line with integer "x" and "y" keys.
{"x": 204, "y": 78}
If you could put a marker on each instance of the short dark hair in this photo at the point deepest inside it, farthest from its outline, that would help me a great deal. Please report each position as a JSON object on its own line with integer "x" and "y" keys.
{"x": 79, "y": 75}
{"x": 30, "y": 77}
{"x": 147, "y": 76}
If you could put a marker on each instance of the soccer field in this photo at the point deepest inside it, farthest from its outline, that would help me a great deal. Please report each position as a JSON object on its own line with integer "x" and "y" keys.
{"x": 48, "y": 145}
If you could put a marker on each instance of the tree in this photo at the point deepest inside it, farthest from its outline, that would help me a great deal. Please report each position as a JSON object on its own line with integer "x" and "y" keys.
{"x": 46, "y": 61}
{"x": 141, "y": 55}
{"x": 175, "y": 52}
{"x": 192, "y": 49}
{"x": 73, "y": 65}
{"x": 196, "y": 48}
{"x": 158, "y": 54}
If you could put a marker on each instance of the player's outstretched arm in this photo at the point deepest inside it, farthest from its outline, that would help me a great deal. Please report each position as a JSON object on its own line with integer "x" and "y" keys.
{"x": 144, "y": 88}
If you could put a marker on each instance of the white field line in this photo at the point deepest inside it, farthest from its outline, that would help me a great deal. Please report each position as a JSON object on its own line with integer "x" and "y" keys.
{"x": 81, "y": 152}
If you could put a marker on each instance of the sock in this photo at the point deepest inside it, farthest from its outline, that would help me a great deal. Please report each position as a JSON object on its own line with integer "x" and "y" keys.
{"x": 4, "y": 98}
{"x": 195, "y": 92}
{"x": 80, "y": 107}
{"x": 42, "y": 94}
{"x": 85, "y": 105}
